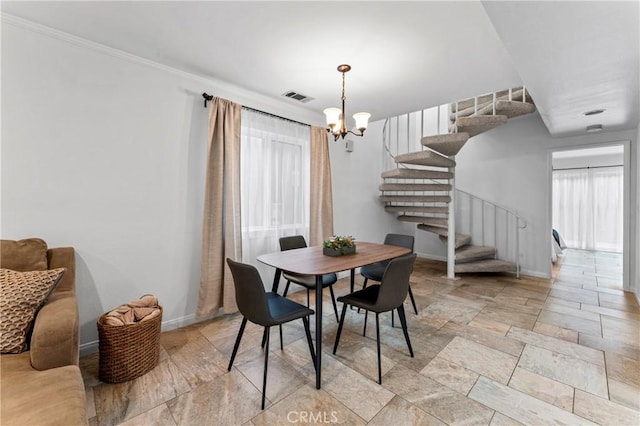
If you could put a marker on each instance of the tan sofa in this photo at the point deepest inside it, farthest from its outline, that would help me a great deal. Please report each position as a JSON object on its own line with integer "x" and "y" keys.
{"x": 43, "y": 386}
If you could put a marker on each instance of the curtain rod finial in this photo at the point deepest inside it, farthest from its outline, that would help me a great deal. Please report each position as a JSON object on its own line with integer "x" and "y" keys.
{"x": 207, "y": 98}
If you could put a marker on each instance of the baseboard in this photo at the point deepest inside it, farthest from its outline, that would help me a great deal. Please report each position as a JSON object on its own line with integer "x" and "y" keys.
{"x": 534, "y": 274}
{"x": 93, "y": 346}
{"x": 432, "y": 257}
{"x": 89, "y": 348}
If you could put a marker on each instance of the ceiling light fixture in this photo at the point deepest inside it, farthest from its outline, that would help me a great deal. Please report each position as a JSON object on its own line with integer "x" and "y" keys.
{"x": 336, "y": 117}
{"x": 595, "y": 112}
{"x": 594, "y": 128}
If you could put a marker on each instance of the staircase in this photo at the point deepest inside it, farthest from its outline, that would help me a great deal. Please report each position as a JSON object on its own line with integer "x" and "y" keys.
{"x": 421, "y": 187}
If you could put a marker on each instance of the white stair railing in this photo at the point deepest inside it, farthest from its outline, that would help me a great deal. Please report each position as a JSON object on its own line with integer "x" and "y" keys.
{"x": 490, "y": 224}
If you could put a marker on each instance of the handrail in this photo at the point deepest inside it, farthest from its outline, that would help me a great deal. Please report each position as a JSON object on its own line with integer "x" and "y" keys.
{"x": 496, "y": 205}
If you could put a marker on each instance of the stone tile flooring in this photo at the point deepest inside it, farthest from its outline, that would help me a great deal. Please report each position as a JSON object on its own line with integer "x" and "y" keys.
{"x": 491, "y": 350}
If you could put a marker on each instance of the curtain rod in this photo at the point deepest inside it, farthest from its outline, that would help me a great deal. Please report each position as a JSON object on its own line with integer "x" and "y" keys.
{"x": 592, "y": 167}
{"x": 208, "y": 98}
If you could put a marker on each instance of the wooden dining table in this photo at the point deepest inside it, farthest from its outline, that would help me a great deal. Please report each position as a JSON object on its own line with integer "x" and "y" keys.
{"x": 311, "y": 261}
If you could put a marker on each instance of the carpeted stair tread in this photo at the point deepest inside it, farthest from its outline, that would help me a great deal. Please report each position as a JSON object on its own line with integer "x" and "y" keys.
{"x": 425, "y": 158}
{"x": 477, "y": 124}
{"x": 470, "y": 253}
{"x": 461, "y": 240}
{"x": 431, "y": 221}
{"x": 436, "y": 230}
{"x": 487, "y": 265}
{"x": 447, "y": 144}
{"x": 401, "y": 173}
{"x": 415, "y": 198}
{"x": 510, "y": 109}
{"x": 418, "y": 209}
{"x": 415, "y": 187}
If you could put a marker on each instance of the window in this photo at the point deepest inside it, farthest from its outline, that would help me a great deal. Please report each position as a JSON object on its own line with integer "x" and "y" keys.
{"x": 588, "y": 206}
{"x": 274, "y": 183}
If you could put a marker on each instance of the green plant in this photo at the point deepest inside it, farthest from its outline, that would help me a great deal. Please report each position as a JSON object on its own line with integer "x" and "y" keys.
{"x": 338, "y": 242}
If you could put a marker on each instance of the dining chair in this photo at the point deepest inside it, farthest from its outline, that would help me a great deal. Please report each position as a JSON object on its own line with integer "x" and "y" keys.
{"x": 265, "y": 309}
{"x": 306, "y": 281}
{"x": 386, "y": 296}
{"x": 374, "y": 271}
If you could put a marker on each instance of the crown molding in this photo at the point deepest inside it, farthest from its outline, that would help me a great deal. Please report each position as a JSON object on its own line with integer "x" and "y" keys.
{"x": 241, "y": 95}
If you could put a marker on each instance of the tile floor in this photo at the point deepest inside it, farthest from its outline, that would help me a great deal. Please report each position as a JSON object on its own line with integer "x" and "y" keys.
{"x": 491, "y": 350}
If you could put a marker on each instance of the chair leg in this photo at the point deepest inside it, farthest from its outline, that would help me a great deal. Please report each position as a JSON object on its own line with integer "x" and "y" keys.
{"x": 392, "y": 319}
{"x": 307, "y": 330}
{"x": 344, "y": 311}
{"x": 378, "y": 344}
{"x": 403, "y": 321}
{"x": 413, "y": 301}
{"x": 364, "y": 329}
{"x": 364, "y": 285}
{"x": 333, "y": 299}
{"x": 264, "y": 338}
{"x": 281, "y": 345}
{"x": 237, "y": 345}
{"x": 286, "y": 289}
{"x": 266, "y": 362}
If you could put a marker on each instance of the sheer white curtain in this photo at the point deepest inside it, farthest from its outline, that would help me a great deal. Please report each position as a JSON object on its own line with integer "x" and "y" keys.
{"x": 274, "y": 183}
{"x": 588, "y": 207}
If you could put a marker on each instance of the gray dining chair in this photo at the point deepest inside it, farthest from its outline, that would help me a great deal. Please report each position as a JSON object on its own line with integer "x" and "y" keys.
{"x": 306, "y": 281}
{"x": 265, "y": 309}
{"x": 387, "y": 296}
{"x": 374, "y": 271}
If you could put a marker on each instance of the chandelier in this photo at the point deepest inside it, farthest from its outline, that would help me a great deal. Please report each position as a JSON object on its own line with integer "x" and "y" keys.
{"x": 336, "y": 117}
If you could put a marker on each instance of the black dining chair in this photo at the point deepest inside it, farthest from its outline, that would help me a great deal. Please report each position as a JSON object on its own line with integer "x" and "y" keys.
{"x": 374, "y": 271}
{"x": 265, "y": 309}
{"x": 386, "y": 296}
{"x": 306, "y": 281}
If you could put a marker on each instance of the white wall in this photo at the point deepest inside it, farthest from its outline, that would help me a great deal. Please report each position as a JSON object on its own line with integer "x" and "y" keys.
{"x": 106, "y": 152}
{"x": 635, "y": 265}
{"x": 355, "y": 180}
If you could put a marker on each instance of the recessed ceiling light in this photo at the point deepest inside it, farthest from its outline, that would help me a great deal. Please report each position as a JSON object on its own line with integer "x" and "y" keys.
{"x": 595, "y": 112}
{"x": 594, "y": 127}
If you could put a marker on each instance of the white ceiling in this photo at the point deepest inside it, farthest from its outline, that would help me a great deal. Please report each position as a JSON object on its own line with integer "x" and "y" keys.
{"x": 405, "y": 56}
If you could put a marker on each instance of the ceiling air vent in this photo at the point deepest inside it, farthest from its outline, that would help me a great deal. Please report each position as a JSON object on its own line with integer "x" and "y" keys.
{"x": 297, "y": 96}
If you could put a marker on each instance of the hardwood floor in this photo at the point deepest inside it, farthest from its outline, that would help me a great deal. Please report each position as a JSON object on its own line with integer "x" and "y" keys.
{"x": 488, "y": 350}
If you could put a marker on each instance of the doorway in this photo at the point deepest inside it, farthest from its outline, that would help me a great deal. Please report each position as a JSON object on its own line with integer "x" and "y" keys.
{"x": 590, "y": 213}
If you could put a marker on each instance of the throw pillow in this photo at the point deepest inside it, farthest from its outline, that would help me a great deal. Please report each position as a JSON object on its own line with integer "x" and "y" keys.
{"x": 22, "y": 294}
{"x": 24, "y": 255}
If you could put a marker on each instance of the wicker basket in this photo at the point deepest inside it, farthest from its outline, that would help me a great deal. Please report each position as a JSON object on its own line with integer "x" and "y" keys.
{"x": 128, "y": 351}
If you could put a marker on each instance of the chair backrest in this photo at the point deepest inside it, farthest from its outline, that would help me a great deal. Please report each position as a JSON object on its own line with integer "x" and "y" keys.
{"x": 292, "y": 242}
{"x": 400, "y": 240}
{"x": 395, "y": 282}
{"x": 250, "y": 294}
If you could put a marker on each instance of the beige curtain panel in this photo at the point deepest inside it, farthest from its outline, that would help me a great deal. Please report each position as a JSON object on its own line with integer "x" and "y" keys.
{"x": 222, "y": 236}
{"x": 321, "y": 214}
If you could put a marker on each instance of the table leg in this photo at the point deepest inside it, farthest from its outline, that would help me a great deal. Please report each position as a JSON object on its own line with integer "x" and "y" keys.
{"x": 353, "y": 279}
{"x": 318, "y": 330}
{"x": 276, "y": 280}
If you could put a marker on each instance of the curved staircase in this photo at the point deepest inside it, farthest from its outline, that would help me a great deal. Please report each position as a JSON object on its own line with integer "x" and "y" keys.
{"x": 422, "y": 187}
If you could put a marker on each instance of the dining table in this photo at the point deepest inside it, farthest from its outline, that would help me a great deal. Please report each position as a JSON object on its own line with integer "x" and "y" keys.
{"x": 312, "y": 261}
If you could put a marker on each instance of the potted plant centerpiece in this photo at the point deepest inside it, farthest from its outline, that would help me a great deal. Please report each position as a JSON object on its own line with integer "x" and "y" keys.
{"x": 339, "y": 245}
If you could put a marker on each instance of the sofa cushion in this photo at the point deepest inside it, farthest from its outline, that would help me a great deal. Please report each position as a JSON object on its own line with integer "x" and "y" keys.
{"x": 21, "y": 295}
{"x": 31, "y": 397}
{"x": 24, "y": 255}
